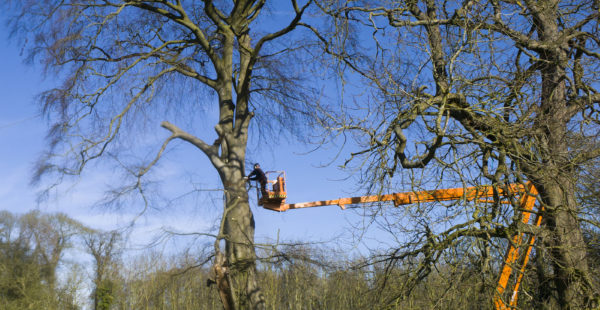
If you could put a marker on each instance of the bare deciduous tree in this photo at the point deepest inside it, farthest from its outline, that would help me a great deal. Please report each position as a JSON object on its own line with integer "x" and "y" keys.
{"x": 32, "y": 249}
{"x": 480, "y": 90}
{"x": 49, "y": 236}
{"x": 122, "y": 62}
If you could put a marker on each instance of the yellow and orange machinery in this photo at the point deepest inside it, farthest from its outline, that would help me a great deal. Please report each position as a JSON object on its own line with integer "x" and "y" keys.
{"x": 276, "y": 195}
{"x": 519, "y": 247}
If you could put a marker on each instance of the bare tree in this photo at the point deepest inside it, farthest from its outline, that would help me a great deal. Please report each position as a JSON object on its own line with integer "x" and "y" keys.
{"x": 49, "y": 236}
{"x": 123, "y": 63}
{"x": 32, "y": 249}
{"x": 479, "y": 90}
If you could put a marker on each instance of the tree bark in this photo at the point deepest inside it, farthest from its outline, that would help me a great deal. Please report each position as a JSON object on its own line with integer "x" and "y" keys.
{"x": 555, "y": 175}
{"x": 566, "y": 243}
{"x": 240, "y": 255}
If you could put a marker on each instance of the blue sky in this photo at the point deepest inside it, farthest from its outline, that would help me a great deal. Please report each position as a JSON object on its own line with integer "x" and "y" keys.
{"x": 22, "y": 133}
{"x": 21, "y": 130}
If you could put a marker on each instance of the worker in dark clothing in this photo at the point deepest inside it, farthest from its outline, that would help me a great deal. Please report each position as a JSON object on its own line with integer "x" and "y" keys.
{"x": 258, "y": 175}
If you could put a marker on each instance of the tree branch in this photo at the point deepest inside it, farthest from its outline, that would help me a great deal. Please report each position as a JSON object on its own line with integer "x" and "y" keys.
{"x": 210, "y": 150}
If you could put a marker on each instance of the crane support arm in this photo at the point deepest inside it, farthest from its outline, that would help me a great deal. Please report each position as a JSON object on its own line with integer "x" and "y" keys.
{"x": 468, "y": 194}
{"x": 519, "y": 246}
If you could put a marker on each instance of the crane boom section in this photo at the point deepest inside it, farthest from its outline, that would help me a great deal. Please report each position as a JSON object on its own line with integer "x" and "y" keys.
{"x": 468, "y": 194}
{"x": 519, "y": 246}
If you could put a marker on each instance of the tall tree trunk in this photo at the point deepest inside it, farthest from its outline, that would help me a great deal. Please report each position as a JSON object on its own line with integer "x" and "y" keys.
{"x": 238, "y": 285}
{"x": 555, "y": 177}
{"x": 240, "y": 252}
{"x": 566, "y": 243}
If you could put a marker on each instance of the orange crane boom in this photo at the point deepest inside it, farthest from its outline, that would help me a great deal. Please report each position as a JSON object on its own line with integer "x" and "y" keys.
{"x": 519, "y": 247}
{"x": 469, "y": 193}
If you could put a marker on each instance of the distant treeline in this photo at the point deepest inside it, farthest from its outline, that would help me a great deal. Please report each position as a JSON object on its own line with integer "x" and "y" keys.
{"x": 36, "y": 273}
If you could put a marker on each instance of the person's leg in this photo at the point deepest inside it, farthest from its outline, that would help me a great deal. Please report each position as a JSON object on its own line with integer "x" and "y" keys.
{"x": 263, "y": 188}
